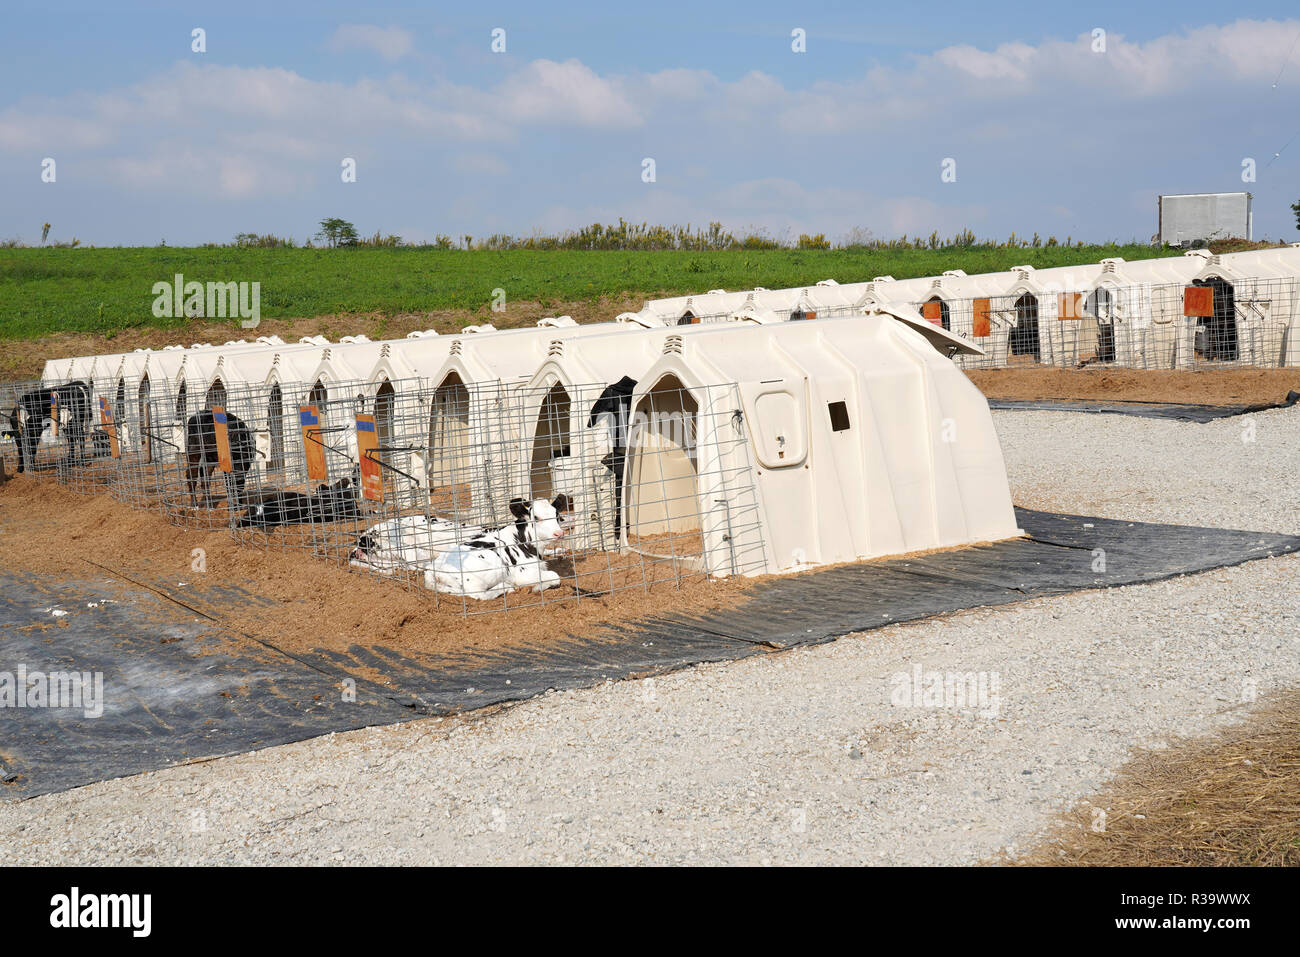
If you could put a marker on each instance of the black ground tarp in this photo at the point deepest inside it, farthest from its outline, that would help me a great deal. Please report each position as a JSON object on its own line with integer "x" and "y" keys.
{"x": 1149, "y": 410}
{"x": 178, "y": 688}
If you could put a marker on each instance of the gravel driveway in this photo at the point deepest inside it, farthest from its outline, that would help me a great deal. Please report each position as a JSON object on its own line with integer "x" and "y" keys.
{"x": 818, "y": 755}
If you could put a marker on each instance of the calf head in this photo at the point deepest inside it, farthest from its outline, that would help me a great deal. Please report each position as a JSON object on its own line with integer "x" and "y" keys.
{"x": 364, "y": 546}
{"x": 541, "y": 521}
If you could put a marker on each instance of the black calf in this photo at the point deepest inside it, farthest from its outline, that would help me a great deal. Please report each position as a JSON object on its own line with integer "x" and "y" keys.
{"x": 201, "y": 454}
{"x": 331, "y": 503}
{"x": 616, "y": 400}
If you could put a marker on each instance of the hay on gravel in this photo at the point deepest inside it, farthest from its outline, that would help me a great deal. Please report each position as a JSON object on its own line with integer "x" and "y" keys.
{"x": 1230, "y": 800}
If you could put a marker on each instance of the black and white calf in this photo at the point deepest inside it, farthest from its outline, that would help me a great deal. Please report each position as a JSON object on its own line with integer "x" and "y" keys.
{"x": 409, "y": 542}
{"x": 504, "y": 559}
{"x": 31, "y": 418}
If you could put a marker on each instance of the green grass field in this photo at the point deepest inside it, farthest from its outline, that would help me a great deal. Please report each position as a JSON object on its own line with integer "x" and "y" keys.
{"x": 44, "y": 291}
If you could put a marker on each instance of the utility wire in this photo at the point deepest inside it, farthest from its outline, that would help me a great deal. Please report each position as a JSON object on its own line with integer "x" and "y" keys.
{"x": 1286, "y": 60}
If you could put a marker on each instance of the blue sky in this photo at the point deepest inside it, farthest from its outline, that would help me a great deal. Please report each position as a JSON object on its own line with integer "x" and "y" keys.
{"x": 153, "y": 141}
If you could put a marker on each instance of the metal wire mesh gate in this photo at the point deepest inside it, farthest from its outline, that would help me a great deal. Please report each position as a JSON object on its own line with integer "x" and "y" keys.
{"x": 92, "y": 466}
{"x": 144, "y": 443}
{"x": 1211, "y": 323}
{"x": 51, "y": 426}
{"x": 493, "y": 495}
{"x": 309, "y": 498}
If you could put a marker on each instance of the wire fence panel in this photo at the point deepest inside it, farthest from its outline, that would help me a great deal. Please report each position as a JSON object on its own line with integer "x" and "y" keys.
{"x": 492, "y": 496}
{"x": 151, "y": 478}
{"x": 209, "y": 453}
{"x": 324, "y": 485}
{"x": 144, "y": 444}
{"x": 94, "y": 467}
{"x": 1203, "y": 324}
{"x": 29, "y": 439}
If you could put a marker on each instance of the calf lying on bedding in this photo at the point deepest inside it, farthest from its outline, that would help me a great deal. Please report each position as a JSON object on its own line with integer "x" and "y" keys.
{"x": 330, "y": 503}
{"x": 413, "y": 541}
{"x": 471, "y": 560}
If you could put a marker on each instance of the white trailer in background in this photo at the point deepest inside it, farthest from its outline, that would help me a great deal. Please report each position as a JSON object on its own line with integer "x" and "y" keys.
{"x": 1196, "y": 217}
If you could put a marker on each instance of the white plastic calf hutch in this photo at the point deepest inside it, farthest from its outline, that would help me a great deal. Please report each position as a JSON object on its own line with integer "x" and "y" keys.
{"x": 690, "y": 310}
{"x": 810, "y": 443}
{"x": 1248, "y": 316}
{"x": 1138, "y": 308}
{"x": 569, "y": 418}
{"x": 758, "y": 304}
{"x": 476, "y": 418}
{"x": 175, "y": 383}
{"x": 970, "y": 307}
{"x": 1050, "y": 321}
{"x": 717, "y": 305}
{"x": 419, "y": 388}
{"x": 888, "y": 289}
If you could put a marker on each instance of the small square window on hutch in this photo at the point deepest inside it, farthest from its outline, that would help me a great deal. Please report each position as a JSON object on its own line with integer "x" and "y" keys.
{"x": 839, "y": 416}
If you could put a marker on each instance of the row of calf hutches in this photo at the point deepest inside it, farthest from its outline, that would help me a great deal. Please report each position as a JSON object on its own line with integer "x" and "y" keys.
{"x": 782, "y": 428}
{"x": 749, "y": 435}
{"x": 1129, "y": 314}
{"x": 779, "y": 446}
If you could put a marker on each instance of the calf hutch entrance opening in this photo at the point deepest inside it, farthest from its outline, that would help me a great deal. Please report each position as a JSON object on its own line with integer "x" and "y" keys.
{"x": 552, "y": 447}
{"x": 450, "y": 443}
{"x": 1216, "y": 333}
{"x": 1024, "y": 335}
{"x": 669, "y": 510}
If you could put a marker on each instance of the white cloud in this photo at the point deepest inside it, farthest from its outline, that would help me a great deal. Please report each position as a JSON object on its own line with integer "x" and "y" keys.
{"x": 683, "y": 84}
{"x": 1008, "y": 62}
{"x": 546, "y": 91}
{"x": 1243, "y": 51}
{"x": 391, "y": 43}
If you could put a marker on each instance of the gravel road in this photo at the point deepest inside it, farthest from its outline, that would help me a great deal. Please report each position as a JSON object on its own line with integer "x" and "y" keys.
{"x": 809, "y": 756}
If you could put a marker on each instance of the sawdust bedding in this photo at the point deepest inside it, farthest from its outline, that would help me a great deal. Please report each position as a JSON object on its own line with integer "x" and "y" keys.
{"x": 302, "y": 603}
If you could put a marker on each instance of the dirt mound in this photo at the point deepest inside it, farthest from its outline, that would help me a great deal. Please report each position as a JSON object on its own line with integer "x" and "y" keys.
{"x": 309, "y": 602}
{"x": 1207, "y": 387}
